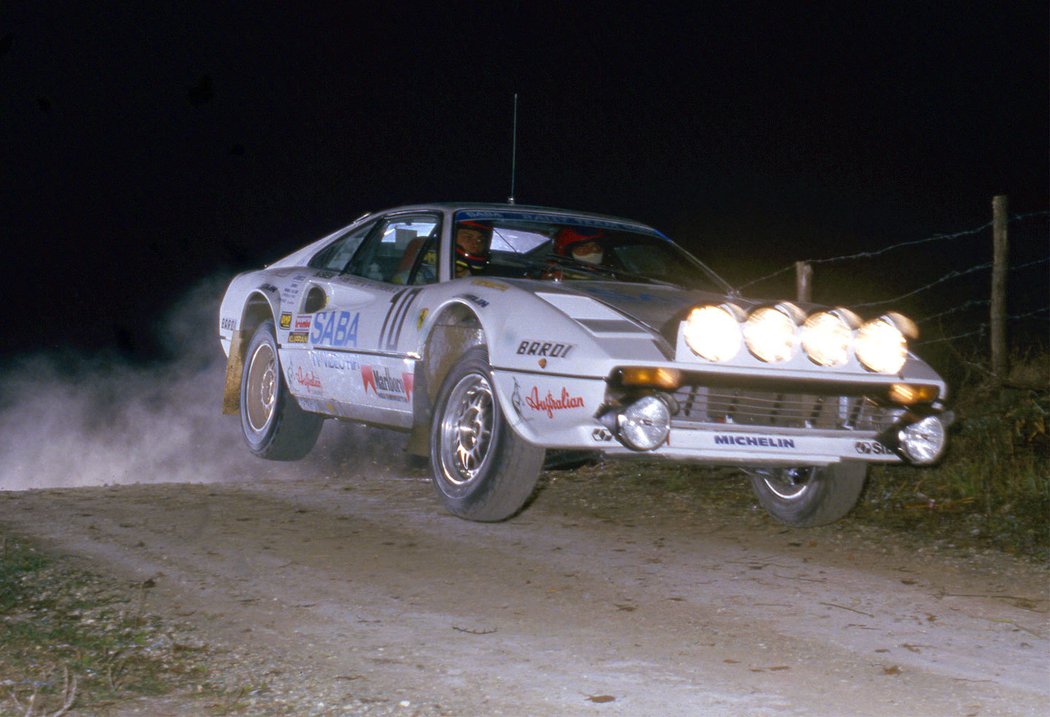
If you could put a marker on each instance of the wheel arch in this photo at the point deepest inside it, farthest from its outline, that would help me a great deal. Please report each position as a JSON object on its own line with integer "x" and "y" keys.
{"x": 452, "y": 331}
{"x": 258, "y": 307}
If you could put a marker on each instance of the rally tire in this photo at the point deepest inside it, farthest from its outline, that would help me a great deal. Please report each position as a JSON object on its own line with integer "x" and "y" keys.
{"x": 810, "y": 496}
{"x": 482, "y": 470}
{"x": 273, "y": 425}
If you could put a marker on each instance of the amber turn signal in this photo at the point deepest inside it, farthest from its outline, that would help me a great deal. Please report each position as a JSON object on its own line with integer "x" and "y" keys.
{"x": 908, "y": 394}
{"x": 655, "y": 377}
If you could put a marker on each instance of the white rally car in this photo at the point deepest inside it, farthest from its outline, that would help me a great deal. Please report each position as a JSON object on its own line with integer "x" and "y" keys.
{"x": 492, "y": 333}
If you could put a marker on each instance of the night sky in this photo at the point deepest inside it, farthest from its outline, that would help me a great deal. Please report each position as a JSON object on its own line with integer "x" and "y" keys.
{"x": 148, "y": 146}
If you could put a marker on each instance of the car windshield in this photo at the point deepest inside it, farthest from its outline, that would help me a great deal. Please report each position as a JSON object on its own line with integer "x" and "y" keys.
{"x": 566, "y": 248}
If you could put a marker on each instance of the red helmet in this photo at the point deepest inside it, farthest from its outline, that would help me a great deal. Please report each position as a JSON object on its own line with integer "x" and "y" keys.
{"x": 478, "y": 257}
{"x": 567, "y": 236}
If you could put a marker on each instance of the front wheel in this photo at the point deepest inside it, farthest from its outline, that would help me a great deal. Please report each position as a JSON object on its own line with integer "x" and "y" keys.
{"x": 810, "y": 496}
{"x": 273, "y": 425}
{"x": 482, "y": 469}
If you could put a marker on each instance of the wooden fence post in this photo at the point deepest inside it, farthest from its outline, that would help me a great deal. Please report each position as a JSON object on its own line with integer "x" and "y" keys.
{"x": 1000, "y": 260}
{"x": 803, "y": 282}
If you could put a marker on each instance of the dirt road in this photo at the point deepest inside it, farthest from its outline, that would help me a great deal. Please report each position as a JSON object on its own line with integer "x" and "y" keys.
{"x": 360, "y": 596}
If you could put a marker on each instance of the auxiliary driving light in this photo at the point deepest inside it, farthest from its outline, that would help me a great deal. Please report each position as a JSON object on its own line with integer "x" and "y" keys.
{"x": 713, "y": 332}
{"x": 923, "y": 442}
{"x": 881, "y": 345}
{"x": 644, "y": 424}
{"x": 826, "y": 337}
{"x": 771, "y": 332}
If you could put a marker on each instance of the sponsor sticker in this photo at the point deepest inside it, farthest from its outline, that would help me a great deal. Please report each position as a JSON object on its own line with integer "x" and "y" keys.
{"x": 544, "y": 348}
{"x": 337, "y": 361}
{"x": 227, "y": 324}
{"x": 337, "y": 329}
{"x": 476, "y": 300}
{"x": 310, "y": 380}
{"x": 302, "y": 323}
{"x": 753, "y": 441}
{"x": 490, "y": 284}
{"x": 549, "y": 404}
{"x": 298, "y": 337}
{"x": 872, "y": 448}
{"x": 379, "y": 381}
{"x": 286, "y": 320}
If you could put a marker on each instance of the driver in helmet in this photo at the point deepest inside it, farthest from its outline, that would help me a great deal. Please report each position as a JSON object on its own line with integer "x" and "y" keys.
{"x": 472, "y": 247}
{"x": 581, "y": 244}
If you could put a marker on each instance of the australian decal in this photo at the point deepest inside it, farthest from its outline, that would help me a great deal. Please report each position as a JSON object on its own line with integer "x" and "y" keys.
{"x": 549, "y": 404}
{"x": 308, "y": 379}
{"x": 378, "y": 380}
{"x": 298, "y": 337}
{"x": 544, "y": 348}
{"x": 758, "y": 441}
{"x": 286, "y": 320}
{"x": 337, "y": 329}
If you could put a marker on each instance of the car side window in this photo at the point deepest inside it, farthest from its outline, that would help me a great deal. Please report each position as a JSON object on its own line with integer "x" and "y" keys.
{"x": 336, "y": 255}
{"x": 391, "y": 253}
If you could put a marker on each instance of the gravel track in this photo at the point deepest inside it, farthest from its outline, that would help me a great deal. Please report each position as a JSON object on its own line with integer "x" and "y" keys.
{"x": 360, "y": 596}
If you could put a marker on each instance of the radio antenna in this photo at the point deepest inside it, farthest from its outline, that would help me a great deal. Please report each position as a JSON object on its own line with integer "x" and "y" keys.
{"x": 513, "y": 150}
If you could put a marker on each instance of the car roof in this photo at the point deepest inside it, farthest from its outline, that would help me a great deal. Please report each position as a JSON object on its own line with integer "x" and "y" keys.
{"x": 498, "y": 207}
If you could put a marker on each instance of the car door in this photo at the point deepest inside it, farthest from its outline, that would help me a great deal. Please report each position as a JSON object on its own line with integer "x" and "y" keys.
{"x": 360, "y": 321}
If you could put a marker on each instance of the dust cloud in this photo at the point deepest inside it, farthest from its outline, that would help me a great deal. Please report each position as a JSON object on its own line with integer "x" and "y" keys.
{"x": 98, "y": 420}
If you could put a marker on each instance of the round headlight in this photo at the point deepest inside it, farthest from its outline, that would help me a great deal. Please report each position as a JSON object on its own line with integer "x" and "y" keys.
{"x": 923, "y": 442}
{"x": 644, "y": 424}
{"x": 825, "y": 338}
{"x": 771, "y": 334}
{"x": 881, "y": 346}
{"x": 713, "y": 332}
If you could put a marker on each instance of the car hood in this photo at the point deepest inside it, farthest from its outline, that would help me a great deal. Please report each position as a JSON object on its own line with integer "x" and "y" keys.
{"x": 659, "y": 308}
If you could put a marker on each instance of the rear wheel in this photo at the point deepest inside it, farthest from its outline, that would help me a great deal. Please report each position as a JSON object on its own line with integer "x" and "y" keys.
{"x": 273, "y": 425}
{"x": 482, "y": 469}
{"x": 809, "y": 496}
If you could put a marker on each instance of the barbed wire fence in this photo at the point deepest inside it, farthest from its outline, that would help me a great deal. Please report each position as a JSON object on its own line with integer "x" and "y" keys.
{"x": 1002, "y": 300}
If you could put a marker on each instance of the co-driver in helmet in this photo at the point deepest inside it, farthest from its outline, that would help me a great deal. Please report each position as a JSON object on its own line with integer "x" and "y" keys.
{"x": 581, "y": 244}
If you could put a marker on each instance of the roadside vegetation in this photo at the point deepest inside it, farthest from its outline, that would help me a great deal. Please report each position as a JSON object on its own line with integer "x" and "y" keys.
{"x": 73, "y": 642}
{"x": 993, "y": 487}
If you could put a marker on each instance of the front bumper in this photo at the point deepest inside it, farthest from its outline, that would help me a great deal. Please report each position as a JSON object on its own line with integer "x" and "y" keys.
{"x": 721, "y": 423}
